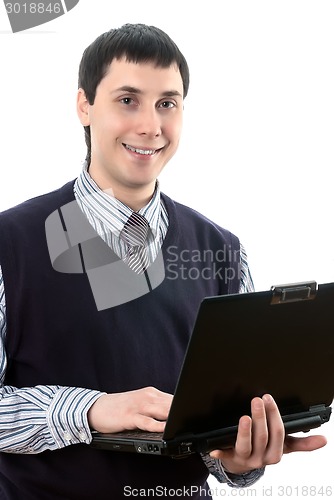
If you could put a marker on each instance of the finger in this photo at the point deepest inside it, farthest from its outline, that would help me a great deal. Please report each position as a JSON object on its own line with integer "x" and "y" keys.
{"x": 243, "y": 443}
{"x": 308, "y": 443}
{"x": 242, "y": 447}
{"x": 276, "y": 432}
{"x": 259, "y": 427}
{"x": 148, "y": 424}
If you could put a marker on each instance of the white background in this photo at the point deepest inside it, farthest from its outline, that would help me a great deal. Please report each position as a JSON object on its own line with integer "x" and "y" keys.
{"x": 257, "y": 149}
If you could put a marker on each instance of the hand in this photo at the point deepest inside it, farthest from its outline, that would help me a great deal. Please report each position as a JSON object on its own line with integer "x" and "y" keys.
{"x": 146, "y": 409}
{"x": 261, "y": 439}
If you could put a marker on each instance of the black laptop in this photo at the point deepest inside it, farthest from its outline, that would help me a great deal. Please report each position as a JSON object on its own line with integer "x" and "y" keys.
{"x": 279, "y": 342}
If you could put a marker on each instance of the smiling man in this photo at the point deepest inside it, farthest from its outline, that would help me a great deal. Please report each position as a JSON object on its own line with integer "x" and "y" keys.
{"x": 68, "y": 367}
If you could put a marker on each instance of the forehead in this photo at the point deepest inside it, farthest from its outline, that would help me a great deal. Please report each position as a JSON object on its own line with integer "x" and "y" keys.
{"x": 145, "y": 76}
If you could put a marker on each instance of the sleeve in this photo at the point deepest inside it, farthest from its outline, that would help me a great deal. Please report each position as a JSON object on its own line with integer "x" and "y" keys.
{"x": 246, "y": 281}
{"x": 34, "y": 419}
{"x": 216, "y": 468}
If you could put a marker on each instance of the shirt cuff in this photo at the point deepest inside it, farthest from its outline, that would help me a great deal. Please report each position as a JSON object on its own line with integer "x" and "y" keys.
{"x": 216, "y": 468}
{"x": 67, "y": 415}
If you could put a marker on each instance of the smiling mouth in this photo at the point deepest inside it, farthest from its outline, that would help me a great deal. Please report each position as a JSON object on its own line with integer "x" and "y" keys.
{"x": 145, "y": 152}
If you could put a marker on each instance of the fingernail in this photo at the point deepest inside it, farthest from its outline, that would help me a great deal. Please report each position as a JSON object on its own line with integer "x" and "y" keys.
{"x": 257, "y": 404}
{"x": 267, "y": 398}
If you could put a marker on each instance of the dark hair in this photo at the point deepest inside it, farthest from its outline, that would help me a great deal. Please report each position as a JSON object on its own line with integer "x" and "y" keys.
{"x": 135, "y": 42}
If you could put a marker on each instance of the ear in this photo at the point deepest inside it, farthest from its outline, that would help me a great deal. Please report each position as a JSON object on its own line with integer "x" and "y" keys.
{"x": 83, "y": 108}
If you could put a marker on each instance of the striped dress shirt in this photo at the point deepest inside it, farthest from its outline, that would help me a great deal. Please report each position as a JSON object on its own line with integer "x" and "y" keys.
{"x": 34, "y": 419}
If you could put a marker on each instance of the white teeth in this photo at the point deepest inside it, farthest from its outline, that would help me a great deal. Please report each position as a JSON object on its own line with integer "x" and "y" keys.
{"x": 141, "y": 151}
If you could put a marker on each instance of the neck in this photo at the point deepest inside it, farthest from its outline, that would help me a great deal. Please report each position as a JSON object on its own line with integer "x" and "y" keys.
{"x": 134, "y": 200}
{"x": 134, "y": 196}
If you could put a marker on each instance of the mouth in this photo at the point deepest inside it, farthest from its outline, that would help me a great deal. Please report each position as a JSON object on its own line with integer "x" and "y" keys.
{"x": 140, "y": 151}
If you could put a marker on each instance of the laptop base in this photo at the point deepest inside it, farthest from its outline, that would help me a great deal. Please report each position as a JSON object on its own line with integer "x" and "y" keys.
{"x": 154, "y": 444}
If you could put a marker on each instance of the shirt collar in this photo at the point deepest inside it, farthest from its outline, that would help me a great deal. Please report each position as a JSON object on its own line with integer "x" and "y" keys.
{"x": 109, "y": 210}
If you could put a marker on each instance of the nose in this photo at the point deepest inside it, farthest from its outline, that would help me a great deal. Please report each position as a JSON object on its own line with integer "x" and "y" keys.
{"x": 149, "y": 122}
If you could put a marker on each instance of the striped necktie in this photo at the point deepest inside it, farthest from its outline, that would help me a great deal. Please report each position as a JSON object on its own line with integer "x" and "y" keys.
{"x": 134, "y": 234}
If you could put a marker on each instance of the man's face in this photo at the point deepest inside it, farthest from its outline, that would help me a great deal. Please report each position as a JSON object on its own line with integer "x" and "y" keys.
{"x": 135, "y": 125}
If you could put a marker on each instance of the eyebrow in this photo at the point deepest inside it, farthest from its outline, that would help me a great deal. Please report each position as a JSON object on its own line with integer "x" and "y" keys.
{"x": 135, "y": 90}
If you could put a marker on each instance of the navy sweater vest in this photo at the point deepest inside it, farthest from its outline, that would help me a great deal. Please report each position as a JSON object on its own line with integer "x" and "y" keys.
{"x": 56, "y": 336}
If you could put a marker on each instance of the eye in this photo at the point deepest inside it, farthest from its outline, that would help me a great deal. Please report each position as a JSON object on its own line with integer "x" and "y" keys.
{"x": 126, "y": 100}
{"x": 167, "y": 104}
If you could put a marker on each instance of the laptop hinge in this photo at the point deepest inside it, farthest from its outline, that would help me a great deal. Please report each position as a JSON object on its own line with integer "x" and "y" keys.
{"x": 294, "y": 292}
{"x": 317, "y": 407}
{"x": 322, "y": 410}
